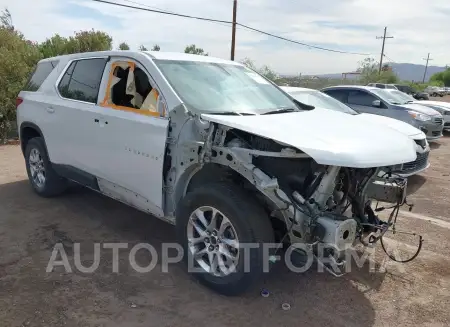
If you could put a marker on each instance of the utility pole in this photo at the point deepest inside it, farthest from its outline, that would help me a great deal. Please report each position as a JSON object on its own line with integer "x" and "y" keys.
{"x": 426, "y": 67}
{"x": 384, "y": 37}
{"x": 233, "y": 30}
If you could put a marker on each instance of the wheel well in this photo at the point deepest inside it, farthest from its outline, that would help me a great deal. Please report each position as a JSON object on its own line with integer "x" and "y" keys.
{"x": 211, "y": 173}
{"x": 26, "y": 134}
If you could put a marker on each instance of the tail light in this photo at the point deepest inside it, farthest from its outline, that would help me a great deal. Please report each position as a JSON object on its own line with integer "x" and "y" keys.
{"x": 18, "y": 102}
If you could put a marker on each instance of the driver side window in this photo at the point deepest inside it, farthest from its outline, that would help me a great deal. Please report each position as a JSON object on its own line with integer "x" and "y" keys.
{"x": 129, "y": 89}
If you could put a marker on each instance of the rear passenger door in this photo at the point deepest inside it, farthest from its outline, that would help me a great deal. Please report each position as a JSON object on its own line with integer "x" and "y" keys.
{"x": 74, "y": 111}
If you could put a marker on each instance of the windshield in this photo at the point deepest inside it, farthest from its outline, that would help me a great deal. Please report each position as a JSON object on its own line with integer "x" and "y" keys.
{"x": 322, "y": 100}
{"x": 222, "y": 88}
{"x": 406, "y": 97}
{"x": 388, "y": 96}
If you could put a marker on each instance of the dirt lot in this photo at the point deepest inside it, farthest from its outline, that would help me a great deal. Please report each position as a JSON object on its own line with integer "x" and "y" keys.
{"x": 415, "y": 294}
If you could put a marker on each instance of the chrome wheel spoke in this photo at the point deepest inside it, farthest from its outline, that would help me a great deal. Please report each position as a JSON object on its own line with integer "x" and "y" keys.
{"x": 200, "y": 253}
{"x": 214, "y": 216}
{"x": 196, "y": 240}
{"x": 225, "y": 223}
{"x": 213, "y": 262}
{"x": 223, "y": 250}
{"x": 230, "y": 242}
{"x": 200, "y": 231}
{"x": 200, "y": 215}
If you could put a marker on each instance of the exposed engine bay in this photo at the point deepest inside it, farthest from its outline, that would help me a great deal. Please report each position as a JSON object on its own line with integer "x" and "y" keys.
{"x": 316, "y": 204}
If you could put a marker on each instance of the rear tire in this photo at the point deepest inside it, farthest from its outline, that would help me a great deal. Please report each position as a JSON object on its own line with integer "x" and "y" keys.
{"x": 44, "y": 180}
{"x": 250, "y": 224}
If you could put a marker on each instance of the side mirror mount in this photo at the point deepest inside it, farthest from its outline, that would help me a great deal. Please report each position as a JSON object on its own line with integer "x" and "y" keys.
{"x": 376, "y": 103}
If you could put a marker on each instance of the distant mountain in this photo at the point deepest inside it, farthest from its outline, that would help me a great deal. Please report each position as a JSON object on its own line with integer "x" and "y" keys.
{"x": 406, "y": 72}
{"x": 413, "y": 72}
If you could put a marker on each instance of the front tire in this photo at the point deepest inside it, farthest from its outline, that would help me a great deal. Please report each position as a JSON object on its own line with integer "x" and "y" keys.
{"x": 44, "y": 180}
{"x": 214, "y": 221}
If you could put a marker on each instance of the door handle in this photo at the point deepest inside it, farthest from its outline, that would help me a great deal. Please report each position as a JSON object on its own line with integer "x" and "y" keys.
{"x": 102, "y": 123}
{"x": 50, "y": 110}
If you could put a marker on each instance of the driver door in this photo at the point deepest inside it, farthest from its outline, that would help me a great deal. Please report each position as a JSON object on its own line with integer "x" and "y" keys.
{"x": 132, "y": 132}
{"x": 362, "y": 101}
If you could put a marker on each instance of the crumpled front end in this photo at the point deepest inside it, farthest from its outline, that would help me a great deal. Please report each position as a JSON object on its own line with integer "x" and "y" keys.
{"x": 311, "y": 204}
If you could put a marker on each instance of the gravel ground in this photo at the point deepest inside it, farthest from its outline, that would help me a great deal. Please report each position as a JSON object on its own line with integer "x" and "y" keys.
{"x": 414, "y": 294}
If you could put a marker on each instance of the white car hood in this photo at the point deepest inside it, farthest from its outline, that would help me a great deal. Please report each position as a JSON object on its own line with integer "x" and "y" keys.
{"x": 435, "y": 103}
{"x": 336, "y": 138}
{"x": 398, "y": 125}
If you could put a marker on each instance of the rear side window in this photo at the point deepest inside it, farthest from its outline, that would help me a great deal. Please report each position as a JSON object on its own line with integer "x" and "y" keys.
{"x": 82, "y": 79}
{"x": 43, "y": 69}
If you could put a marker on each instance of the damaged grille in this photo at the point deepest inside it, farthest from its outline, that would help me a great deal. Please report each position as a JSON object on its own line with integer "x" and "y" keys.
{"x": 420, "y": 163}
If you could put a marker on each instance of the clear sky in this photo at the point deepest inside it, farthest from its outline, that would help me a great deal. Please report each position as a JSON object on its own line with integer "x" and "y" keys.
{"x": 418, "y": 27}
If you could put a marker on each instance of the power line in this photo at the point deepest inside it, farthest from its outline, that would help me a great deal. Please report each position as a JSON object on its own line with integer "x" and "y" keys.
{"x": 225, "y": 22}
{"x": 163, "y": 12}
{"x": 384, "y": 37}
{"x": 301, "y": 43}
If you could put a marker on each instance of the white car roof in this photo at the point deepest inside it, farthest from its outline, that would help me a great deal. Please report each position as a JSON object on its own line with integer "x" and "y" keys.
{"x": 163, "y": 55}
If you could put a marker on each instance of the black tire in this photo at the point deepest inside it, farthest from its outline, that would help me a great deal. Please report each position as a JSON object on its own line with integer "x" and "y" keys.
{"x": 54, "y": 185}
{"x": 251, "y": 223}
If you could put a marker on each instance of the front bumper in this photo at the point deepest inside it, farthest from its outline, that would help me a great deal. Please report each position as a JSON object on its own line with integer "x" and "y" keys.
{"x": 432, "y": 128}
{"x": 446, "y": 122}
{"x": 413, "y": 167}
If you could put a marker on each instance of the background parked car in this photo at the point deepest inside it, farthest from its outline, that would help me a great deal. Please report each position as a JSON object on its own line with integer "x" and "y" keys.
{"x": 409, "y": 90}
{"x": 381, "y": 102}
{"x": 321, "y": 100}
{"x": 435, "y": 91}
{"x": 442, "y": 107}
{"x": 382, "y": 86}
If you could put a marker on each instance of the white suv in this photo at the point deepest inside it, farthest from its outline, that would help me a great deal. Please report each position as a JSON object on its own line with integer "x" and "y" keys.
{"x": 213, "y": 148}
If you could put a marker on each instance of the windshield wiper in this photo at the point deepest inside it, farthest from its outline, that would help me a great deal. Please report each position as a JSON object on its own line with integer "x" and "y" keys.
{"x": 279, "y": 111}
{"x": 234, "y": 113}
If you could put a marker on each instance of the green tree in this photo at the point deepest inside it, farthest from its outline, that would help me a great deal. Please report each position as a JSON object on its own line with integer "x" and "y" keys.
{"x": 441, "y": 78}
{"x": 368, "y": 70}
{"x": 82, "y": 41}
{"x": 142, "y": 48}
{"x": 124, "y": 46}
{"x": 265, "y": 70}
{"x": 156, "y": 48}
{"x": 194, "y": 50}
{"x": 18, "y": 58}
{"x": 6, "y": 19}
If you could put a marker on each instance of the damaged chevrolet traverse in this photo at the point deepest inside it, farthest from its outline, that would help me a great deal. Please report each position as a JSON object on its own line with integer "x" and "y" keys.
{"x": 215, "y": 149}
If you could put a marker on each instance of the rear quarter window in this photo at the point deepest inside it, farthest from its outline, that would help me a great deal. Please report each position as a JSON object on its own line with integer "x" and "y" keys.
{"x": 39, "y": 75}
